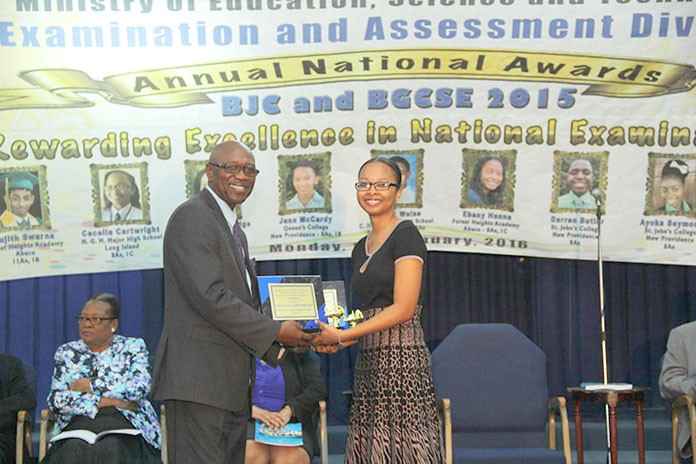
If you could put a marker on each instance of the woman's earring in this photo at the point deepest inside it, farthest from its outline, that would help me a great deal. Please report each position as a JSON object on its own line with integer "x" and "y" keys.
{"x": 113, "y": 330}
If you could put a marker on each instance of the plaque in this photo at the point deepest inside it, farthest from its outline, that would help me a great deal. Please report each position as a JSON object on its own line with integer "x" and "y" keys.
{"x": 298, "y": 297}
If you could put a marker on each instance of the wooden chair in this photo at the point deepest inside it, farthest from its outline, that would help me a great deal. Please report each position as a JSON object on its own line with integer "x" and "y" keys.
{"x": 24, "y": 421}
{"x": 47, "y": 421}
{"x": 323, "y": 433}
{"x": 684, "y": 401}
{"x": 25, "y": 418}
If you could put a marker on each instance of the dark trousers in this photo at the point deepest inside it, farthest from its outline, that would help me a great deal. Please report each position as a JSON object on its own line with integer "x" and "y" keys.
{"x": 198, "y": 433}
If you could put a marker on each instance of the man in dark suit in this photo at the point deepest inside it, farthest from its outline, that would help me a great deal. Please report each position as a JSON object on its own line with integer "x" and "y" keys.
{"x": 15, "y": 395}
{"x": 213, "y": 328}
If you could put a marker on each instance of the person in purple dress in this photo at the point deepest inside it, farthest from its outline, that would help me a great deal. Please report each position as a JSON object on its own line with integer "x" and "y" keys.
{"x": 394, "y": 415}
{"x": 287, "y": 393}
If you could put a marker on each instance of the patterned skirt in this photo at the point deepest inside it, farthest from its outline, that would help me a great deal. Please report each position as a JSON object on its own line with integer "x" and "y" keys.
{"x": 393, "y": 418}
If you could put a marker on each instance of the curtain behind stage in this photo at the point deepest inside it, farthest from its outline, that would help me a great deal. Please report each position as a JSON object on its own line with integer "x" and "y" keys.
{"x": 554, "y": 302}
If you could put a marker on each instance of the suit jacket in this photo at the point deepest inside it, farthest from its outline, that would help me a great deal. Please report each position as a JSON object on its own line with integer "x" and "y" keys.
{"x": 15, "y": 395}
{"x": 212, "y": 324}
{"x": 678, "y": 377}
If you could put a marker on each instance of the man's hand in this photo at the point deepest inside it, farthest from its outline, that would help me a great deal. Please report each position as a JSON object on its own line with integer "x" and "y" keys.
{"x": 291, "y": 334}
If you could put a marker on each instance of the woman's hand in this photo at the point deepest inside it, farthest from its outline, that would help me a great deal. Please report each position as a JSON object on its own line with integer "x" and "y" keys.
{"x": 329, "y": 335}
{"x": 270, "y": 419}
{"x": 285, "y": 414}
{"x": 106, "y": 402}
{"x": 81, "y": 385}
{"x": 328, "y": 340}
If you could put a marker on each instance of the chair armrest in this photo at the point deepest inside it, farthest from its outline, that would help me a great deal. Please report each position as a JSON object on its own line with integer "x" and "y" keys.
{"x": 559, "y": 403}
{"x": 47, "y": 418}
{"x": 323, "y": 433}
{"x": 445, "y": 413}
{"x": 163, "y": 426}
{"x": 683, "y": 401}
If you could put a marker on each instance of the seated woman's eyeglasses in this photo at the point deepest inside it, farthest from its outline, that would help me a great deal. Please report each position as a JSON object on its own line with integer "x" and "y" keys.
{"x": 381, "y": 185}
{"x": 235, "y": 168}
{"x": 96, "y": 320}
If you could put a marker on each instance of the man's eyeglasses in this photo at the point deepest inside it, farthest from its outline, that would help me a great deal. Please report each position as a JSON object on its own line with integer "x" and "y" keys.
{"x": 120, "y": 187}
{"x": 230, "y": 168}
{"x": 381, "y": 185}
{"x": 96, "y": 320}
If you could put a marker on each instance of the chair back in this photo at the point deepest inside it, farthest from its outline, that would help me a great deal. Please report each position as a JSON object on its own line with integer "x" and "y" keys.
{"x": 496, "y": 379}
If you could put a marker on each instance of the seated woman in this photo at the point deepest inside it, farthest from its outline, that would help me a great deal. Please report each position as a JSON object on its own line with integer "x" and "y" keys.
{"x": 288, "y": 393}
{"x": 100, "y": 383}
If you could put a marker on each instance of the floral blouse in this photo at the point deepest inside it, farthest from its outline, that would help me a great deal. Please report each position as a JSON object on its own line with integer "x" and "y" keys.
{"x": 121, "y": 371}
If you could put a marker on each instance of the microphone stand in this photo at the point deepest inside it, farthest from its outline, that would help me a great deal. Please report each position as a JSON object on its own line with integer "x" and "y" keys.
{"x": 605, "y": 376}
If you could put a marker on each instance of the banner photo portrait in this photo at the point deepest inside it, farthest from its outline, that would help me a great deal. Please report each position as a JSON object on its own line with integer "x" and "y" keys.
{"x": 520, "y": 126}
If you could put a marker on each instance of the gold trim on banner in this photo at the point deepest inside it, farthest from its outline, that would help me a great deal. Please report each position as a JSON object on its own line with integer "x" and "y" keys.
{"x": 187, "y": 85}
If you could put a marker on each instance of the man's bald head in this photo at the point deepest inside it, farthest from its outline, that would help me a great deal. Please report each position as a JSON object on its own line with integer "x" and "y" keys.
{"x": 221, "y": 149}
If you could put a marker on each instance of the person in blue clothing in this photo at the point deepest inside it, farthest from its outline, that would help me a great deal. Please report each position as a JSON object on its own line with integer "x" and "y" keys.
{"x": 287, "y": 393}
{"x": 101, "y": 383}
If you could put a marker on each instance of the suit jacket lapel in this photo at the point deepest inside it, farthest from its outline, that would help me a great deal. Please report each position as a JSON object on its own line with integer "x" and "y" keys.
{"x": 251, "y": 266}
{"x": 229, "y": 241}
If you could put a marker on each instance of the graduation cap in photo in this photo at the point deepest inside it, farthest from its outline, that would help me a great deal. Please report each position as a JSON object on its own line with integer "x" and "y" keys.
{"x": 18, "y": 180}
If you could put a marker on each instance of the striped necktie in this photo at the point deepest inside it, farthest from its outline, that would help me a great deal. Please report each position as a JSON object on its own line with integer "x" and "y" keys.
{"x": 237, "y": 238}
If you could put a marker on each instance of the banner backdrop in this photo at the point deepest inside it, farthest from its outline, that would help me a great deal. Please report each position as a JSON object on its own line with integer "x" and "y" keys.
{"x": 510, "y": 120}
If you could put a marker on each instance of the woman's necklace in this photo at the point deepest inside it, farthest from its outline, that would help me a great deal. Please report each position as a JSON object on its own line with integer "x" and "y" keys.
{"x": 375, "y": 240}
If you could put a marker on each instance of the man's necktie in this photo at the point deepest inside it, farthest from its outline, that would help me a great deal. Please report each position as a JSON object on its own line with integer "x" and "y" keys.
{"x": 24, "y": 222}
{"x": 117, "y": 217}
{"x": 237, "y": 238}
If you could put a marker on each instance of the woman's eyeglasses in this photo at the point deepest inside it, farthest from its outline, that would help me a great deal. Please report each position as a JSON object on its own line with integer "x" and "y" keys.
{"x": 381, "y": 185}
{"x": 96, "y": 320}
